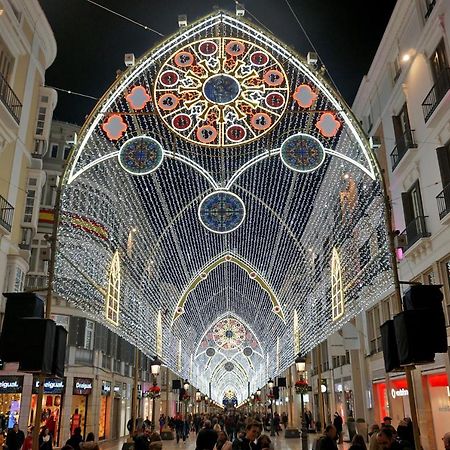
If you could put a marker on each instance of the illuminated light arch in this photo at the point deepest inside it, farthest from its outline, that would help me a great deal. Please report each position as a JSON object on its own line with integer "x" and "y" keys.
{"x": 113, "y": 290}
{"x": 337, "y": 290}
{"x": 240, "y": 262}
{"x": 293, "y": 217}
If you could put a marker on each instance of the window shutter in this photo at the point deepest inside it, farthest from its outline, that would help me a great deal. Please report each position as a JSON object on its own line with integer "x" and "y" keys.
{"x": 443, "y": 156}
{"x": 77, "y": 331}
{"x": 408, "y": 210}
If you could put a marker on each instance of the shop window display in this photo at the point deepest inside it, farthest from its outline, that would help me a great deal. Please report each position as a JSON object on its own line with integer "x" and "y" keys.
{"x": 10, "y": 398}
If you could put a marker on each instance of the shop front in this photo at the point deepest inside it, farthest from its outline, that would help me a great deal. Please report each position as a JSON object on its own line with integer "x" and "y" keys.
{"x": 10, "y": 398}
{"x": 439, "y": 393}
{"x": 344, "y": 401}
{"x": 393, "y": 402}
{"x": 105, "y": 409}
{"x": 82, "y": 389}
{"x": 51, "y": 405}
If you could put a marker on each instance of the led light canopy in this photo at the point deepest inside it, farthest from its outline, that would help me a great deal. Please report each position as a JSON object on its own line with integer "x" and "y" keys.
{"x": 223, "y": 189}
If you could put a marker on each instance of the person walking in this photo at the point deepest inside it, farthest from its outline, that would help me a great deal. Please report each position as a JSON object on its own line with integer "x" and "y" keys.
{"x": 76, "y": 439}
{"x": 206, "y": 438}
{"x": 45, "y": 439}
{"x": 328, "y": 440}
{"x": 15, "y": 438}
{"x": 358, "y": 443}
{"x": 252, "y": 432}
{"x": 337, "y": 422}
{"x": 446, "y": 440}
{"x": 222, "y": 442}
{"x": 155, "y": 441}
{"x": 90, "y": 443}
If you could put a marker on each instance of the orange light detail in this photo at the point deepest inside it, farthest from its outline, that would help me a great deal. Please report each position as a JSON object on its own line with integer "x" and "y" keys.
{"x": 304, "y": 96}
{"x": 273, "y": 77}
{"x": 328, "y": 125}
{"x": 138, "y": 97}
{"x": 168, "y": 102}
{"x": 114, "y": 127}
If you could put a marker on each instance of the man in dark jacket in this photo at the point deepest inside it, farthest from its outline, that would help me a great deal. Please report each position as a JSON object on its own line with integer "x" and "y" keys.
{"x": 386, "y": 439}
{"x": 75, "y": 439}
{"x": 142, "y": 440}
{"x": 328, "y": 440}
{"x": 15, "y": 438}
{"x": 253, "y": 430}
{"x": 206, "y": 438}
{"x": 337, "y": 422}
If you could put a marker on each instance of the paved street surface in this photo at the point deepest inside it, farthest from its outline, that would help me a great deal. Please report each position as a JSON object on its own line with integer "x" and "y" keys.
{"x": 280, "y": 443}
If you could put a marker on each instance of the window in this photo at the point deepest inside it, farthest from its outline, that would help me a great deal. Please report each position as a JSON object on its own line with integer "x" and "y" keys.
{"x": 41, "y": 121}
{"x": 19, "y": 280}
{"x": 413, "y": 213}
{"x": 44, "y": 98}
{"x": 402, "y": 130}
{"x": 66, "y": 152}
{"x": 386, "y": 308}
{"x": 438, "y": 61}
{"x": 337, "y": 292}
{"x": 89, "y": 335}
{"x": 61, "y": 320}
{"x": 29, "y": 205}
{"x": 446, "y": 268}
{"x": 443, "y": 156}
{"x": 113, "y": 292}
{"x": 397, "y": 68}
{"x": 54, "y": 151}
{"x": 6, "y": 61}
{"x": 373, "y": 330}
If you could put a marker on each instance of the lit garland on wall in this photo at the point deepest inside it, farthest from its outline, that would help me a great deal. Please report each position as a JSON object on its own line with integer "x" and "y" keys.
{"x": 321, "y": 193}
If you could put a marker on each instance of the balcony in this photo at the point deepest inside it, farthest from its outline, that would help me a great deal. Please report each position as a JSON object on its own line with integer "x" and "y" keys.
{"x": 6, "y": 214}
{"x": 404, "y": 143}
{"x": 27, "y": 236}
{"x": 443, "y": 202}
{"x": 40, "y": 148}
{"x": 415, "y": 230}
{"x": 436, "y": 94}
{"x": 9, "y": 99}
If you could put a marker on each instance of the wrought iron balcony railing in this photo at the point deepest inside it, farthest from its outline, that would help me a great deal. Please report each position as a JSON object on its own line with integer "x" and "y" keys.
{"x": 443, "y": 202}
{"x": 436, "y": 94}
{"x": 6, "y": 214}
{"x": 9, "y": 99}
{"x": 415, "y": 230}
{"x": 404, "y": 143}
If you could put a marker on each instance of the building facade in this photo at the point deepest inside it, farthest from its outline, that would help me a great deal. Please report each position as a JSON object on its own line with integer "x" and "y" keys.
{"x": 403, "y": 102}
{"x": 27, "y": 49}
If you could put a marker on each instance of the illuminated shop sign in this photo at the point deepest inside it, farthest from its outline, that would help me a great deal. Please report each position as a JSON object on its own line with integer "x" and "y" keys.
{"x": 402, "y": 392}
{"x": 51, "y": 386}
{"x": 11, "y": 384}
{"x": 106, "y": 387}
{"x": 82, "y": 386}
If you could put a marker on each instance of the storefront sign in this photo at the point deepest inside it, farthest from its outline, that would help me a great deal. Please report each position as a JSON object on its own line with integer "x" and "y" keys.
{"x": 117, "y": 391}
{"x": 51, "y": 386}
{"x": 11, "y": 384}
{"x": 399, "y": 392}
{"x": 106, "y": 387}
{"x": 82, "y": 386}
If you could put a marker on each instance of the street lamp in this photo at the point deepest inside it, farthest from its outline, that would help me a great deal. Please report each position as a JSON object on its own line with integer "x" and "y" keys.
{"x": 155, "y": 368}
{"x": 270, "y": 383}
{"x": 300, "y": 365}
{"x": 186, "y": 385}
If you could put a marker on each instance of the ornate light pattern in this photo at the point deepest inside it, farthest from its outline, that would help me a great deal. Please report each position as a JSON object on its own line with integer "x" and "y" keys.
{"x": 113, "y": 292}
{"x": 229, "y": 334}
{"x": 221, "y": 92}
{"x": 302, "y": 153}
{"x": 140, "y": 155}
{"x": 280, "y": 255}
{"x": 337, "y": 292}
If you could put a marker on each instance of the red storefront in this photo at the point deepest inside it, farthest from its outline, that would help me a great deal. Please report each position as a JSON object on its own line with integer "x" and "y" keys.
{"x": 397, "y": 398}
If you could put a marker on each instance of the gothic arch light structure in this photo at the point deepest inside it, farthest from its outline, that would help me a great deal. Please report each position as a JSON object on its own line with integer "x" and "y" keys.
{"x": 219, "y": 143}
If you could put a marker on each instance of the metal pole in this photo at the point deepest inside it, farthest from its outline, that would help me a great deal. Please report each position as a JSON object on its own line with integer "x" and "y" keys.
{"x": 409, "y": 369}
{"x": 134, "y": 399}
{"x": 48, "y": 308}
{"x": 153, "y": 415}
{"x": 304, "y": 429}
{"x": 319, "y": 387}
{"x": 272, "y": 427}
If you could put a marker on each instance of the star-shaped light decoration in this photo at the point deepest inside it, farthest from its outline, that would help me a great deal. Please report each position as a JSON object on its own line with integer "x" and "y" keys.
{"x": 138, "y": 97}
{"x": 328, "y": 125}
{"x": 304, "y": 96}
{"x": 114, "y": 127}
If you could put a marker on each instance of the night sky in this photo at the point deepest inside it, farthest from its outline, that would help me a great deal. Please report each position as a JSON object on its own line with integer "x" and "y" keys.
{"x": 92, "y": 42}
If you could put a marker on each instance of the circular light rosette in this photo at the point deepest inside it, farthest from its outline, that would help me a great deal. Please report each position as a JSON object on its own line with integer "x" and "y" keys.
{"x": 141, "y": 155}
{"x": 221, "y": 212}
{"x": 221, "y": 92}
{"x": 302, "y": 153}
